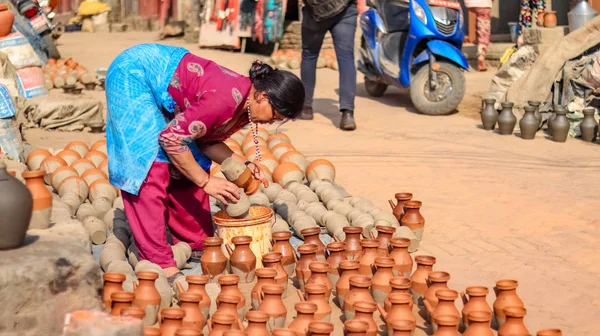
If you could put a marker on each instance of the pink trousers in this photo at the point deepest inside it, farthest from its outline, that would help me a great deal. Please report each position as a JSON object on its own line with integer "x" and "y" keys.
{"x": 162, "y": 202}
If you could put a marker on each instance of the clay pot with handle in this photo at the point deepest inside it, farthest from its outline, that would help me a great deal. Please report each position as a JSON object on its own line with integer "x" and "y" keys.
{"x": 257, "y": 323}
{"x": 384, "y": 235}
{"x": 400, "y": 310}
{"x": 364, "y": 312}
{"x": 272, "y": 304}
{"x": 399, "y": 285}
{"x": 336, "y": 255}
{"x": 228, "y": 304}
{"x": 506, "y": 296}
{"x": 398, "y": 208}
{"x": 479, "y": 324}
{"x": 220, "y": 323}
{"x": 403, "y": 262}
{"x": 419, "y": 277}
{"x": 311, "y": 236}
{"x": 347, "y": 269}
{"x": 445, "y": 306}
{"x": 229, "y": 286}
{"x": 308, "y": 255}
{"x": 359, "y": 292}
{"x": 196, "y": 284}
{"x": 318, "y": 270}
{"x": 514, "y": 322}
{"x": 213, "y": 261}
{"x": 113, "y": 282}
{"x": 190, "y": 302}
{"x": 353, "y": 246}
{"x": 474, "y": 302}
{"x": 381, "y": 279}
{"x": 368, "y": 256}
{"x": 413, "y": 219}
{"x": 273, "y": 260}
{"x": 305, "y": 313}
{"x": 315, "y": 293}
{"x": 266, "y": 276}
{"x": 435, "y": 282}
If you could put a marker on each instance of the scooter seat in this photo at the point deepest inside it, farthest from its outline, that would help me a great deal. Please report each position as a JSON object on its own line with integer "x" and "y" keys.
{"x": 395, "y": 14}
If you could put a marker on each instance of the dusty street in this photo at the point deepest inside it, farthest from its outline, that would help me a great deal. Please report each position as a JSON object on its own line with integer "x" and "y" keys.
{"x": 496, "y": 207}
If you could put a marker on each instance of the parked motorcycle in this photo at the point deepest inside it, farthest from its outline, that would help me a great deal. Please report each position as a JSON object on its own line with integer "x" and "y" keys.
{"x": 415, "y": 44}
{"x": 38, "y": 17}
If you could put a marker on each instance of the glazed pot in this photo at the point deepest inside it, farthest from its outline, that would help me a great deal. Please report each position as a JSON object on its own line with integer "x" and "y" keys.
{"x": 400, "y": 310}
{"x": 119, "y": 301}
{"x": 359, "y": 292}
{"x": 403, "y": 328}
{"x": 229, "y": 304}
{"x": 318, "y": 275}
{"x": 479, "y": 324}
{"x": 288, "y": 255}
{"x": 213, "y": 261}
{"x": 560, "y": 124}
{"x": 315, "y": 293}
{"x": 364, "y": 312}
{"x": 273, "y": 260}
{"x": 257, "y": 323}
{"x": 320, "y": 328}
{"x": 197, "y": 284}
{"x": 588, "y": 126}
{"x": 475, "y": 302}
{"x": 305, "y": 313}
{"x": 514, "y": 322}
{"x": 42, "y": 199}
{"x": 403, "y": 262}
{"x": 506, "y": 296}
{"x": 529, "y": 123}
{"x": 413, "y": 219}
{"x": 311, "y": 236}
{"x": 347, "y": 269}
{"x": 190, "y": 303}
{"x": 368, "y": 256}
{"x": 6, "y": 20}
{"x": 550, "y": 19}
{"x": 398, "y": 208}
{"x": 447, "y": 326}
{"x": 320, "y": 169}
{"x": 242, "y": 260}
{"x": 445, "y": 306}
{"x": 272, "y": 304}
{"x": 380, "y": 287}
{"x": 266, "y": 276}
{"x": 536, "y": 113}
{"x": 399, "y": 285}
{"x": 308, "y": 254}
{"x": 353, "y": 245}
{"x": 336, "y": 255}
{"x": 229, "y": 286}
{"x": 489, "y": 115}
{"x": 384, "y": 235}
{"x": 220, "y": 323}
{"x": 113, "y": 282}
{"x": 435, "y": 282}
{"x": 355, "y": 328}
{"x": 419, "y": 277}
{"x": 171, "y": 319}
{"x": 506, "y": 119}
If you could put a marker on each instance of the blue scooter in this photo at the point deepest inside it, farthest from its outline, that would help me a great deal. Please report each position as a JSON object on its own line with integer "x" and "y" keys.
{"x": 415, "y": 44}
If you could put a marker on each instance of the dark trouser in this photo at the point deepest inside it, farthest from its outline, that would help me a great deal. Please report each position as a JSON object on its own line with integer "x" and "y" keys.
{"x": 343, "y": 30}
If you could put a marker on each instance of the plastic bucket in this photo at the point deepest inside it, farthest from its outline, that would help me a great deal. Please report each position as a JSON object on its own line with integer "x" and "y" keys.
{"x": 258, "y": 226}
{"x": 513, "y": 27}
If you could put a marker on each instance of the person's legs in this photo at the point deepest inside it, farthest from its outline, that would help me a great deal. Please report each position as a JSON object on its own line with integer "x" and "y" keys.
{"x": 343, "y": 33}
{"x": 483, "y": 34}
{"x": 313, "y": 34}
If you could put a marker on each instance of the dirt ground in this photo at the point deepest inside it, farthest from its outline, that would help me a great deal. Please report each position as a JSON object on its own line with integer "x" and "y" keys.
{"x": 496, "y": 207}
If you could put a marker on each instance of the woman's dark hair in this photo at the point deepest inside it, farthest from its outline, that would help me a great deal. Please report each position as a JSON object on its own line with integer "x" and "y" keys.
{"x": 284, "y": 89}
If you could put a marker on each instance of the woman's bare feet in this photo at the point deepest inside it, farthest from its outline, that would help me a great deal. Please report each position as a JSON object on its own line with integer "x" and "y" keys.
{"x": 170, "y": 271}
{"x": 481, "y": 66}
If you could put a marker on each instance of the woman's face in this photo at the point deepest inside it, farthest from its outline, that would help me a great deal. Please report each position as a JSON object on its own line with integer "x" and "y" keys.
{"x": 261, "y": 111}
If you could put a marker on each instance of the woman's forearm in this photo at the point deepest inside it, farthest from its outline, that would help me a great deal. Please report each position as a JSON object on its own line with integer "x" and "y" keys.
{"x": 188, "y": 166}
{"x": 219, "y": 151}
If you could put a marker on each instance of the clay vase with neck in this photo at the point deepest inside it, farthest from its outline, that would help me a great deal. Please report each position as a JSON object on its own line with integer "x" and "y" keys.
{"x": 187, "y": 331}
{"x": 529, "y": 123}
{"x": 266, "y": 276}
{"x": 273, "y": 260}
{"x": 506, "y": 296}
{"x": 364, "y": 311}
{"x": 475, "y": 302}
{"x": 213, "y": 261}
{"x": 400, "y": 310}
{"x": 413, "y": 219}
{"x": 489, "y": 115}
{"x": 384, "y": 235}
{"x": 447, "y": 326}
{"x": 283, "y": 246}
{"x": 311, "y": 236}
{"x": 398, "y": 208}
{"x": 113, "y": 282}
{"x": 272, "y": 304}
{"x": 190, "y": 303}
{"x": 229, "y": 286}
{"x": 368, "y": 256}
{"x": 146, "y": 294}
{"x": 359, "y": 292}
{"x": 514, "y": 322}
{"x": 315, "y": 293}
{"x": 506, "y": 119}
{"x": 134, "y": 312}
{"x": 479, "y": 324}
{"x": 197, "y": 284}
{"x": 336, "y": 255}
{"x": 445, "y": 306}
{"x": 242, "y": 260}
{"x": 7, "y": 19}
{"x": 355, "y": 328}
{"x": 257, "y": 323}
{"x": 549, "y": 332}
{"x": 560, "y": 125}
{"x": 402, "y": 328}
{"x": 588, "y": 126}
{"x": 119, "y": 301}
{"x": 419, "y": 277}
{"x": 42, "y": 199}
{"x": 399, "y": 285}
{"x": 228, "y": 304}
{"x": 305, "y": 313}
{"x": 435, "y": 282}
{"x": 536, "y": 104}
{"x": 320, "y": 328}
{"x": 353, "y": 246}
{"x": 220, "y": 323}
{"x": 171, "y": 319}
{"x": 381, "y": 287}
{"x": 550, "y": 19}
{"x": 348, "y": 268}
{"x": 403, "y": 262}
{"x": 16, "y": 204}
{"x": 318, "y": 275}
{"x": 308, "y": 255}
{"x": 284, "y": 332}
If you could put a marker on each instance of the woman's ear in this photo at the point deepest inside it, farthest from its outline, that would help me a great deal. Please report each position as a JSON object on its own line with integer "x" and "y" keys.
{"x": 262, "y": 97}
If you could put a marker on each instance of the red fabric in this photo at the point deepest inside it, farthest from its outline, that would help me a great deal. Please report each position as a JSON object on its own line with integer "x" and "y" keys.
{"x": 165, "y": 201}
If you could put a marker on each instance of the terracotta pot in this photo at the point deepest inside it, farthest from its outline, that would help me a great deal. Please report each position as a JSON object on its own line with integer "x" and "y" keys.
{"x": 242, "y": 260}
{"x": 359, "y": 292}
{"x": 284, "y": 332}
{"x": 266, "y": 276}
{"x": 171, "y": 320}
{"x": 315, "y": 293}
{"x": 69, "y": 156}
{"x": 92, "y": 175}
{"x": 560, "y": 125}
{"x": 305, "y": 314}
{"x": 100, "y": 146}
{"x": 196, "y": 284}
{"x": 288, "y": 254}
{"x": 104, "y": 167}
{"x": 113, "y": 282}
{"x": 187, "y": 331}
{"x": 257, "y": 323}
{"x": 273, "y": 260}
{"x": 96, "y": 157}
{"x": 213, "y": 261}
{"x": 368, "y": 256}
{"x": 347, "y": 269}
{"x": 398, "y": 208}
{"x": 76, "y": 185}
{"x": 506, "y": 296}
{"x": 42, "y": 199}
{"x": 49, "y": 165}
{"x": 102, "y": 188}
{"x": 540, "y": 19}
{"x": 489, "y": 115}
{"x": 588, "y": 126}
{"x": 403, "y": 328}
{"x": 286, "y": 173}
{"x": 445, "y": 307}
{"x": 134, "y": 312}
{"x": 355, "y": 328}
{"x": 229, "y": 286}
{"x": 364, "y": 312}
{"x": 403, "y": 262}
{"x": 60, "y": 174}
{"x": 277, "y": 138}
{"x": 35, "y": 158}
{"x": 146, "y": 293}
{"x": 479, "y": 324}
{"x": 320, "y": 169}
{"x": 419, "y": 277}
{"x": 235, "y": 333}
{"x": 475, "y": 302}
{"x": 318, "y": 275}
{"x": 435, "y": 282}
{"x": 550, "y": 19}
{"x": 381, "y": 279}
{"x": 82, "y": 165}
{"x": 220, "y": 323}
{"x": 447, "y": 326}
{"x": 399, "y": 285}
{"x": 294, "y": 157}
{"x": 384, "y": 235}
{"x": 528, "y": 125}
{"x": 549, "y": 332}
{"x": 282, "y": 148}
{"x": 353, "y": 245}
{"x": 506, "y": 119}
{"x": 78, "y": 146}
{"x": 229, "y": 304}
{"x": 336, "y": 255}
{"x": 272, "y": 304}
{"x": 190, "y": 302}
{"x": 311, "y": 236}
{"x": 400, "y": 310}
{"x": 320, "y": 328}
{"x": 514, "y": 322}
{"x": 6, "y": 20}
{"x": 120, "y": 300}
{"x": 308, "y": 254}
{"x": 413, "y": 219}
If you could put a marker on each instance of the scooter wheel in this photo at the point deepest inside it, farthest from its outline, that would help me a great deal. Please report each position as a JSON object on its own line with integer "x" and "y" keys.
{"x": 442, "y": 100}
{"x": 375, "y": 88}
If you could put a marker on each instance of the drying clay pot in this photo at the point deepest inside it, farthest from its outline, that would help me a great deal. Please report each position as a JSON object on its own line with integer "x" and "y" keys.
{"x": 419, "y": 277}
{"x": 171, "y": 320}
{"x": 101, "y": 205}
{"x": 82, "y": 165}
{"x": 236, "y": 172}
{"x": 529, "y": 123}
{"x": 119, "y": 301}
{"x": 242, "y": 260}
{"x": 359, "y": 292}
{"x": 337, "y": 254}
{"x": 506, "y": 296}
{"x": 248, "y": 144}
{"x": 445, "y": 307}
{"x": 272, "y": 304}
{"x": 476, "y": 301}
{"x": 100, "y": 146}
{"x": 560, "y": 125}
{"x": 113, "y": 282}
{"x": 118, "y": 203}
{"x": 506, "y": 119}
{"x": 96, "y": 228}
{"x": 259, "y": 199}
{"x": 308, "y": 255}
{"x": 355, "y": 328}
{"x": 308, "y": 196}
{"x": 305, "y": 314}
{"x": 69, "y": 156}
{"x": 285, "y": 209}
{"x": 74, "y": 184}
{"x": 320, "y": 328}
{"x": 35, "y": 158}
{"x": 85, "y": 210}
{"x": 265, "y": 276}
{"x": 435, "y": 281}
{"x": 311, "y": 236}
{"x": 399, "y": 285}
{"x": 320, "y": 169}
{"x": 78, "y": 146}
{"x": 446, "y": 326}
{"x": 479, "y": 324}
{"x": 49, "y": 165}
{"x": 489, "y": 115}
{"x": 181, "y": 253}
{"x": 316, "y": 293}
{"x": 16, "y": 205}
{"x": 588, "y": 126}
{"x": 104, "y": 167}
{"x": 251, "y": 155}
{"x": 72, "y": 201}
{"x": 340, "y": 207}
{"x": 213, "y": 261}
{"x": 230, "y": 297}
{"x": 60, "y": 174}
{"x": 381, "y": 287}
{"x": 273, "y": 260}
{"x": 399, "y": 311}
{"x": 272, "y": 190}
{"x": 286, "y": 196}
{"x": 281, "y": 149}
{"x": 102, "y": 188}
{"x": 280, "y": 224}
{"x": 239, "y": 209}
{"x": 364, "y": 312}
{"x": 330, "y": 195}
{"x": 92, "y": 175}
{"x": 282, "y": 245}
{"x": 257, "y": 323}
{"x": 403, "y": 262}
{"x": 270, "y": 161}
{"x": 347, "y": 269}
{"x": 405, "y": 232}
{"x": 286, "y": 173}
{"x": 109, "y": 218}
{"x": 294, "y": 157}
{"x": 317, "y": 211}
{"x": 413, "y": 219}
{"x": 368, "y": 256}
{"x": 277, "y": 138}
{"x": 398, "y": 208}
{"x": 42, "y": 199}
{"x": 318, "y": 275}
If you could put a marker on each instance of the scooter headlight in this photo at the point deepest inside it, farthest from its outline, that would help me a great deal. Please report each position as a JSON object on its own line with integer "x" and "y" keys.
{"x": 420, "y": 12}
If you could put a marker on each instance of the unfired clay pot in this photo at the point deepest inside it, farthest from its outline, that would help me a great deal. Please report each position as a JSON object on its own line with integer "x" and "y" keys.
{"x": 320, "y": 169}
{"x": 489, "y": 115}
{"x": 294, "y": 157}
{"x": 398, "y": 208}
{"x": 133, "y": 312}
{"x": 381, "y": 279}
{"x": 272, "y": 304}
{"x": 35, "y": 158}
{"x": 119, "y": 301}
{"x": 403, "y": 328}
{"x": 60, "y": 174}
{"x": 147, "y": 296}
{"x": 196, "y": 284}
{"x": 42, "y": 199}
{"x": 82, "y": 165}
{"x": 475, "y": 302}
{"x": 311, "y": 236}
{"x": 588, "y": 126}
{"x": 403, "y": 262}
{"x": 413, "y": 219}
{"x": 273, "y": 260}
{"x": 529, "y": 123}
{"x": 549, "y": 332}
{"x": 419, "y": 277}
{"x": 368, "y": 256}
{"x": 78, "y": 146}
{"x": 447, "y": 326}
{"x": 359, "y": 292}
{"x": 92, "y": 175}
{"x": 242, "y": 260}
{"x": 229, "y": 304}
{"x": 265, "y": 276}
{"x": 384, "y": 235}
{"x": 479, "y": 324}
{"x": 288, "y": 254}
{"x": 49, "y": 165}
{"x": 506, "y": 119}
{"x": 315, "y": 293}
{"x": 506, "y": 296}
{"x": 286, "y": 173}
{"x": 220, "y": 323}
{"x": 560, "y": 125}
{"x": 213, "y": 261}
{"x": 364, "y": 312}
{"x": 69, "y": 156}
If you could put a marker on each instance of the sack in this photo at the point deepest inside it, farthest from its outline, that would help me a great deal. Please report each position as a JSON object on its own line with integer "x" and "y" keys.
{"x": 325, "y": 9}
{"x": 8, "y": 75}
{"x": 19, "y": 51}
{"x": 10, "y": 139}
{"x": 7, "y": 105}
{"x": 31, "y": 82}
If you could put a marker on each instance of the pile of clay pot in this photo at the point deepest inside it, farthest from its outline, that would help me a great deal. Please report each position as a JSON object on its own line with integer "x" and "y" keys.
{"x": 66, "y": 74}
{"x": 78, "y": 175}
{"x": 292, "y": 59}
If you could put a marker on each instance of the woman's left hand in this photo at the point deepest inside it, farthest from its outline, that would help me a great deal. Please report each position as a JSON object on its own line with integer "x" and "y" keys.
{"x": 258, "y": 174}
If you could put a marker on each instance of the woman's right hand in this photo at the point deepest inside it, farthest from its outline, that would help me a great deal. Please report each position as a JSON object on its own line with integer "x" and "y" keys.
{"x": 222, "y": 190}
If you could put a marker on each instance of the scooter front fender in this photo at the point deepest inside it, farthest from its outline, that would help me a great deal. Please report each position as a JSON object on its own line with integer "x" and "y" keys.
{"x": 442, "y": 49}
{"x": 370, "y": 23}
